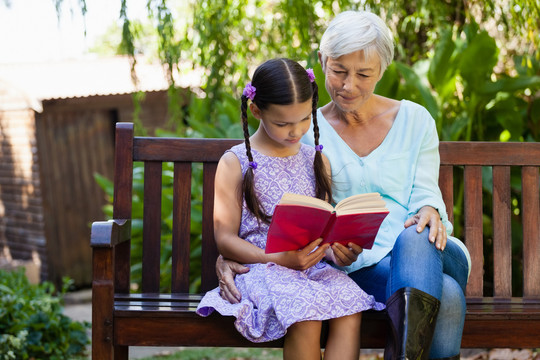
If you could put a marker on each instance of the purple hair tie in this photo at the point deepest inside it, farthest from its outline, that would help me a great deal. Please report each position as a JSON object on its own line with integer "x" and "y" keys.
{"x": 253, "y": 165}
{"x": 311, "y": 75}
{"x": 318, "y": 148}
{"x": 249, "y": 91}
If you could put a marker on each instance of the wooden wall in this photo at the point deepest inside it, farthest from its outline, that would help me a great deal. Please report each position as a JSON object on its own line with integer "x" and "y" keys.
{"x": 48, "y": 195}
{"x": 22, "y": 233}
{"x": 73, "y": 144}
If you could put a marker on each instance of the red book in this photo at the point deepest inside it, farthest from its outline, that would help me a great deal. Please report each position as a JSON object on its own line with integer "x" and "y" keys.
{"x": 299, "y": 220}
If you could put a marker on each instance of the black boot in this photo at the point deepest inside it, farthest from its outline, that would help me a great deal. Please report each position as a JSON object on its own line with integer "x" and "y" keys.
{"x": 412, "y": 314}
{"x": 455, "y": 357}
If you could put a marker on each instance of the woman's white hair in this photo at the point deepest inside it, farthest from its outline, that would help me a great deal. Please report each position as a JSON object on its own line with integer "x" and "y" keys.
{"x": 351, "y": 31}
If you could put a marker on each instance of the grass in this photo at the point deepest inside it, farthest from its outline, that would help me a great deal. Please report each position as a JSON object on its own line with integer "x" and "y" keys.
{"x": 222, "y": 354}
{"x": 276, "y": 354}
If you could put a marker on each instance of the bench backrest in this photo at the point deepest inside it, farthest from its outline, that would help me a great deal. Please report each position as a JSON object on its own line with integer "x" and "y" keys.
{"x": 183, "y": 152}
{"x": 471, "y": 157}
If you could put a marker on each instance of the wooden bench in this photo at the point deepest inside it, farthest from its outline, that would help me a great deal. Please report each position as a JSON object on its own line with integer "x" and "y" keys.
{"x": 121, "y": 319}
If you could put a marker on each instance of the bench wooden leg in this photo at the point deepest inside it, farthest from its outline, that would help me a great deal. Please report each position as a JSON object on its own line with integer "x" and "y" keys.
{"x": 121, "y": 352}
{"x": 102, "y": 344}
{"x": 102, "y": 305}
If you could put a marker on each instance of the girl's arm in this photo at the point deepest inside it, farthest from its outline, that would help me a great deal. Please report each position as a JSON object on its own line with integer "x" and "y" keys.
{"x": 227, "y": 217}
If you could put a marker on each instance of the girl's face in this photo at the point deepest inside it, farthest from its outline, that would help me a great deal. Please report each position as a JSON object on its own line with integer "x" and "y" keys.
{"x": 351, "y": 79}
{"x": 284, "y": 125}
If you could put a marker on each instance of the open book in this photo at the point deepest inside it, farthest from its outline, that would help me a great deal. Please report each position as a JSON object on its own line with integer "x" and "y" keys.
{"x": 299, "y": 220}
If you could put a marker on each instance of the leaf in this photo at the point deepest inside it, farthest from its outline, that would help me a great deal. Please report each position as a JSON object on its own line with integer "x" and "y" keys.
{"x": 414, "y": 81}
{"x": 105, "y": 184}
{"x": 324, "y": 98}
{"x": 440, "y": 70}
{"x": 389, "y": 83}
{"x": 478, "y": 59}
{"x": 505, "y": 109}
{"x": 510, "y": 85}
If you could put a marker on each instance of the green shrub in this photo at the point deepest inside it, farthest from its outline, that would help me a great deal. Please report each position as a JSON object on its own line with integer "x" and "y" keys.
{"x": 32, "y": 325}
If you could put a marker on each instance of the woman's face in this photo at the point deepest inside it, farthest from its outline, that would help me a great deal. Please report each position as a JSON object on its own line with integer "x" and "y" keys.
{"x": 351, "y": 79}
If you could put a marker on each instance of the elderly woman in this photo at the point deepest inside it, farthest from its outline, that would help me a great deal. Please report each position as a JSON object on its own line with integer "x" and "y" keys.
{"x": 379, "y": 144}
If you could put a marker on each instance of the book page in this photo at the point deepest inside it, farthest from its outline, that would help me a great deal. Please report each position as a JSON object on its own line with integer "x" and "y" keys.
{"x": 361, "y": 211}
{"x": 362, "y": 201}
{"x": 297, "y": 199}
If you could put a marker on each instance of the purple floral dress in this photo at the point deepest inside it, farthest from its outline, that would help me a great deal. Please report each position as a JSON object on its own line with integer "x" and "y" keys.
{"x": 275, "y": 297}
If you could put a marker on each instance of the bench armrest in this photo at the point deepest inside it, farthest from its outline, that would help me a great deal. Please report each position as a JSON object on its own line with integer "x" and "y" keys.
{"x": 110, "y": 233}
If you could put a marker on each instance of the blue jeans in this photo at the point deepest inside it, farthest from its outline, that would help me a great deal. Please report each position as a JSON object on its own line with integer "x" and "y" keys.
{"x": 416, "y": 262}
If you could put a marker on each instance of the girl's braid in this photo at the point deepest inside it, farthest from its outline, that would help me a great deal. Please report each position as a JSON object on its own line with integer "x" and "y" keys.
{"x": 243, "y": 109}
{"x": 323, "y": 185}
{"x": 248, "y": 184}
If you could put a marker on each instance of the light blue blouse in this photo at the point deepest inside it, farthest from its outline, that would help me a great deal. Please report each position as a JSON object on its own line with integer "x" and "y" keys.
{"x": 404, "y": 169}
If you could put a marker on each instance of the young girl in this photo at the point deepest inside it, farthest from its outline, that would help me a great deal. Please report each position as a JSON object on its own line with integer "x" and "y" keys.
{"x": 288, "y": 293}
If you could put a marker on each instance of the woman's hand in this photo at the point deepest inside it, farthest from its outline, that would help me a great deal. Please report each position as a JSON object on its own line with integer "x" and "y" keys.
{"x": 226, "y": 271}
{"x": 343, "y": 255}
{"x": 301, "y": 259}
{"x": 427, "y": 215}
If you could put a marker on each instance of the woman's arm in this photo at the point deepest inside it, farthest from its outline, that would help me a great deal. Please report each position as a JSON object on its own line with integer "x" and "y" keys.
{"x": 429, "y": 216}
{"x": 226, "y": 271}
{"x": 426, "y": 206}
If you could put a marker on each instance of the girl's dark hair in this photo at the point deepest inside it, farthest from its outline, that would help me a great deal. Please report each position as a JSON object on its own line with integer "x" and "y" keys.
{"x": 282, "y": 82}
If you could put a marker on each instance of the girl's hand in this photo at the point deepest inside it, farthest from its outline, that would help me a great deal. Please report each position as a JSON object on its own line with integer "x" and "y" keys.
{"x": 427, "y": 215}
{"x": 343, "y": 255}
{"x": 301, "y": 259}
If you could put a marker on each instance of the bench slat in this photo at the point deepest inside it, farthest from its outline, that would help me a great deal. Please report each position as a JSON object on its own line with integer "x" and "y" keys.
{"x": 446, "y": 184}
{"x": 123, "y": 171}
{"x": 473, "y": 228}
{"x": 180, "y": 149}
{"x": 502, "y": 232}
{"x": 485, "y": 153}
{"x": 123, "y": 190}
{"x": 158, "y": 297}
{"x": 209, "y": 249}
{"x": 531, "y": 231}
{"x": 491, "y": 307}
{"x": 181, "y": 227}
{"x": 151, "y": 226}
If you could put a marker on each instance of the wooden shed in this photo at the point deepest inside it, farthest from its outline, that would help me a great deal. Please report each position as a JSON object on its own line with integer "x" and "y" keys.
{"x": 56, "y": 130}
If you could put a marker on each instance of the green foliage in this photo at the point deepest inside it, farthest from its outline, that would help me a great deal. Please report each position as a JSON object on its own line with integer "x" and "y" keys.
{"x": 467, "y": 98}
{"x": 32, "y": 325}
{"x": 474, "y": 65}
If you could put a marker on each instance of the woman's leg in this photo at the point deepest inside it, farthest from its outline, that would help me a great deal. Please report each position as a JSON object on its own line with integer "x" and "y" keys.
{"x": 449, "y": 329}
{"x": 419, "y": 267}
{"x": 303, "y": 341}
{"x": 414, "y": 296}
{"x": 446, "y": 341}
{"x": 344, "y": 338}
{"x": 373, "y": 279}
{"x": 416, "y": 263}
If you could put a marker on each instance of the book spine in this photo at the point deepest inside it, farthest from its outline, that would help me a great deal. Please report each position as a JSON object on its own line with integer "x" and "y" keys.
{"x": 328, "y": 228}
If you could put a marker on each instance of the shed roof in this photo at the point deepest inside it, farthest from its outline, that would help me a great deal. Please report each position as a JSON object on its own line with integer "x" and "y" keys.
{"x": 27, "y": 84}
